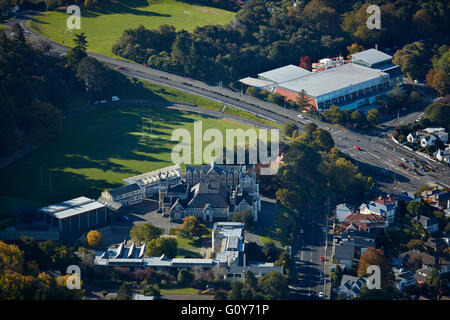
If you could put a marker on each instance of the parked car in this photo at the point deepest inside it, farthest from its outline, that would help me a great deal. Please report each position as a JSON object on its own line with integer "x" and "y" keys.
{"x": 103, "y": 101}
{"x": 321, "y": 295}
{"x": 120, "y": 68}
{"x": 115, "y": 99}
{"x": 301, "y": 116}
{"x": 301, "y": 231}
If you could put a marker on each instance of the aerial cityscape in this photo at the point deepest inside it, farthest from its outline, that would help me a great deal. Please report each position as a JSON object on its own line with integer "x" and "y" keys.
{"x": 223, "y": 150}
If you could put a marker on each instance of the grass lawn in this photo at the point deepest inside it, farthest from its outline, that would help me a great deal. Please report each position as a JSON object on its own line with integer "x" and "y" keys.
{"x": 247, "y": 115}
{"x": 97, "y": 150}
{"x": 103, "y": 27}
{"x": 179, "y": 291}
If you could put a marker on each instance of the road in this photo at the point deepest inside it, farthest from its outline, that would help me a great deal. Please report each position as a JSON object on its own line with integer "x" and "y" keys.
{"x": 378, "y": 157}
{"x": 311, "y": 274}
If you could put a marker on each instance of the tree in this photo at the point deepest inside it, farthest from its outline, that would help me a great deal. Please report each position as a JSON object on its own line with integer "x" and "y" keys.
{"x": 287, "y": 198}
{"x": 323, "y": 140}
{"x": 80, "y": 41}
{"x": 94, "y": 238}
{"x": 244, "y": 216}
{"x": 191, "y": 228}
{"x": 303, "y": 101}
{"x": 373, "y": 116}
{"x": 185, "y": 278}
{"x": 143, "y": 232}
{"x": 236, "y": 291}
{"x": 358, "y": 118}
{"x": 415, "y": 208}
{"x": 289, "y": 128}
{"x": 412, "y": 60}
{"x": 438, "y": 113}
{"x": 95, "y": 77}
{"x": 250, "y": 280}
{"x": 305, "y": 63}
{"x": 332, "y": 114}
{"x": 271, "y": 251}
{"x": 125, "y": 292}
{"x": 415, "y": 244}
{"x": 11, "y": 257}
{"x": 163, "y": 245}
{"x": 274, "y": 285}
{"x": 372, "y": 256}
{"x": 438, "y": 80}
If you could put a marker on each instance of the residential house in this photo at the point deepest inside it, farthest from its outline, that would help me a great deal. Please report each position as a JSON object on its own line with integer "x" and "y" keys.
{"x": 365, "y": 222}
{"x": 351, "y": 286}
{"x": 407, "y": 197}
{"x": 443, "y": 155}
{"x": 441, "y": 135}
{"x": 384, "y": 206}
{"x": 430, "y": 224}
{"x": 404, "y": 280}
{"x": 436, "y": 198}
{"x": 343, "y": 210}
{"x": 413, "y": 137}
{"x": 434, "y": 130}
{"x": 438, "y": 132}
{"x": 126, "y": 195}
{"x": 344, "y": 252}
{"x": 427, "y": 140}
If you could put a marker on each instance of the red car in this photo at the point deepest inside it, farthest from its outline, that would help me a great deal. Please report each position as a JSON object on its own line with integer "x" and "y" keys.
{"x": 322, "y": 258}
{"x": 120, "y": 68}
{"x": 357, "y": 147}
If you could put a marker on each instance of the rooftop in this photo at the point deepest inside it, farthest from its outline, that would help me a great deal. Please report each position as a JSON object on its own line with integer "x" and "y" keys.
{"x": 371, "y": 56}
{"x": 340, "y": 77}
{"x": 124, "y": 189}
{"x": 258, "y": 83}
{"x": 171, "y": 172}
{"x": 283, "y": 74}
{"x": 71, "y": 207}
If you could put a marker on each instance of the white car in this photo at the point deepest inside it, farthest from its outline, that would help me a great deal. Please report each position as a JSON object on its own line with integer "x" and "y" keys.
{"x": 301, "y": 231}
{"x": 300, "y": 116}
{"x": 115, "y": 99}
{"x": 321, "y": 295}
{"x": 103, "y": 101}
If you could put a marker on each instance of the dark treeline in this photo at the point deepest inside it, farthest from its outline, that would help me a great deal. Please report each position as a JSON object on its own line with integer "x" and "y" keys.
{"x": 31, "y": 87}
{"x": 270, "y": 34}
{"x": 35, "y": 89}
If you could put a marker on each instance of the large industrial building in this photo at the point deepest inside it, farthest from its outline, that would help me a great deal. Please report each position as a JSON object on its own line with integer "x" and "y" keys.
{"x": 348, "y": 84}
{"x": 75, "y": 215}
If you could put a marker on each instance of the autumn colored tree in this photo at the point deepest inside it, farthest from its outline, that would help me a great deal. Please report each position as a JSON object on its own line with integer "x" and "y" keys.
{"x": 11, "y": 257}
{"x": 94, "y": 238}
{"x": 373, "y": 256}
{"x": 438, "y": 80}
{"x": 305, "y": 63}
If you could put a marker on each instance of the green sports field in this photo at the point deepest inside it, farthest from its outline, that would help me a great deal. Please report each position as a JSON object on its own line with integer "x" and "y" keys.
{"x": 105, "y": 26}
{"x": 97, "y": 150}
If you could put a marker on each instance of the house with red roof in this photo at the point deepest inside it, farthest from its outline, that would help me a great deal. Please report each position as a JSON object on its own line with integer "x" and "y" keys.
{"x": 365, "y": 222}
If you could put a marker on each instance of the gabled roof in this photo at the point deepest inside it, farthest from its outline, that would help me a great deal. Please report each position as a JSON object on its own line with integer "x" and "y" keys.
{"x": 425, "y": 221}
{"x": 124, "y": 189}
